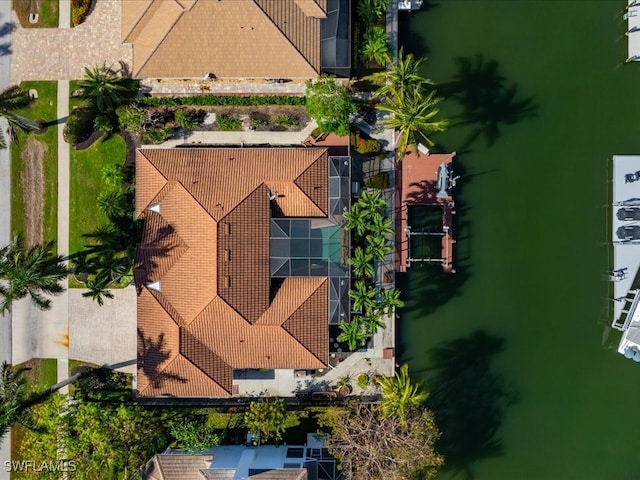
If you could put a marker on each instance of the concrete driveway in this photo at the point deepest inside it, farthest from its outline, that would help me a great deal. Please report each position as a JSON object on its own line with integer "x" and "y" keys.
{"x": 103, "y": 335}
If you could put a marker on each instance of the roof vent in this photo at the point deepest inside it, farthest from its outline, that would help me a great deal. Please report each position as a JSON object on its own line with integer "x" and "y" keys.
{"x": 154, "y": 286}
{"x": 154, "y": 208}
{"x": 272, "y": 196}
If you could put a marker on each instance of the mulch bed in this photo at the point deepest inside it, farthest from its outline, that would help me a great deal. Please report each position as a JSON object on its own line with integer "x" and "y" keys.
{"x": 32, "y": 185}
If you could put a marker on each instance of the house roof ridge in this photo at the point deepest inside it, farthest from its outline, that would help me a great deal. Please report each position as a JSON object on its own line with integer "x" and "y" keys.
{"x": 289, "y": 40}
{"x": 163, "y": 35}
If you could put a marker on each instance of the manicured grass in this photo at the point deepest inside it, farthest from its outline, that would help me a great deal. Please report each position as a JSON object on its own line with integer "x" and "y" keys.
{"x": 86, "y": 184}
{"x": 45, "y": 107}
{"x": 47, "y": 17}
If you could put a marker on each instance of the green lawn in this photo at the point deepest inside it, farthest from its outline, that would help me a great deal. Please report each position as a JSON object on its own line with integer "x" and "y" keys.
{"x": 86, "y": 184}
{"x": 47, "y": 17}
{"x": 45, "y": 107}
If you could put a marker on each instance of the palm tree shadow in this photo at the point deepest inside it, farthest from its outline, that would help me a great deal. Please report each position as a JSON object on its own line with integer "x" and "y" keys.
{"x": 469, "y": 400}
{"x": 488, "y": 100}
{"x": 151, "y": 355}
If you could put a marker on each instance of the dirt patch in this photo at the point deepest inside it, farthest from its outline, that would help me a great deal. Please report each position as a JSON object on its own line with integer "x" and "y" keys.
{"x": 32, "y": 184}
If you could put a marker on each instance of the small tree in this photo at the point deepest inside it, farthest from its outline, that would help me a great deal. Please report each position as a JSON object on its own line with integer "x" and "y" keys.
{"x": 369, "y": 447}
{"x": 266, "y": 419}
{"x": 363, "y": 296}
{"x": 330, "y": 104}
{"x": 192, "y": 436}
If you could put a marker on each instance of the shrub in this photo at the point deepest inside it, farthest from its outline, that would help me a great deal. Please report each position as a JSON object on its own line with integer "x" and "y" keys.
{"x": 79, "y": 125}
{"x": 104, "y": 123}
{"x": 228, "y": 124}
{"x": 187, "y": 119}
{"x": 363, "y": 381}
{"x": 79, "y": 11}
{"x": 364, "y": 145}
{"x": 379, "y": 181}
{"x": 131, "y": 118}
{"x": 286, "y": 120}
{"x": 158, "y": 135}
{"x": 330, "y": 104}
{"x": 221, "y": 101}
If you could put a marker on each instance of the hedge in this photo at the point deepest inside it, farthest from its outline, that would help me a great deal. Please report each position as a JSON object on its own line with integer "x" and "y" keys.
{"x": 79, "y": 11}
{"x": 219, "y": 101}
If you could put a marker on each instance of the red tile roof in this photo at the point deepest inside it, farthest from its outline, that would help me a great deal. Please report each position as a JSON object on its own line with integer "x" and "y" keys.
{"x": 206, "y": 301}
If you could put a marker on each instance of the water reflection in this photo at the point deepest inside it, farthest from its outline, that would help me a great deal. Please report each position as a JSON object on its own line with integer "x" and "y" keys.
{"x": 469, "y": 399}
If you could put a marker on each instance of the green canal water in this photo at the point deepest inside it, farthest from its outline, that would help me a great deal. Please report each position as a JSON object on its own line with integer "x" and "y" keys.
{"x": 513, "y": 347}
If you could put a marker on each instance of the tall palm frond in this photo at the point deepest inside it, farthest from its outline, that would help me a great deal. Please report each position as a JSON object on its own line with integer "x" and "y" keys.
{"x": 403, "y": 75}
{"x": 413, "y": 118}
{"x": 11, "y": 99}
{"x": 399, "y": 394}
{"x": 33, "y": 272}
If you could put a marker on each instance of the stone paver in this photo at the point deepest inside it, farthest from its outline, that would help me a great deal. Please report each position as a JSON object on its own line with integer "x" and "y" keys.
{"x": 222, "y": 87}
{"x": 103, "y": 335}
{"x": 59, "y": 54}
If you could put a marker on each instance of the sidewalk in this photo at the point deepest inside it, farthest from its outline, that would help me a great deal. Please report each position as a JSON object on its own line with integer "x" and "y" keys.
{"x": 239, "y": 138}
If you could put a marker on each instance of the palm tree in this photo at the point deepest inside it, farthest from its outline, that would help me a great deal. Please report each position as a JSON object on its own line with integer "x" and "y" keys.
{"x": 372, "y": 321}
{"x": 352, "y": 333}
{"x": 389, "y": 300}
{"x": 376, "y": 46}
{"x": 30, "y": 271}
{"x": 13, "y": 403}
{"x": 371, "y": 10}
{"x": 371, "y": 201}
{"x": 362, "y": 263}
{"x": 399, "y": 394}
{"x": 413, "y": 118}
{"x": 11, "y": 99}
{"x": 106, "y": 89}
{"x": 402, "y": 76}
{"x": 378, "y": 247}
{"x": 97, "y": 290}
{"x": 380, "y": 224}
{"x": 356, "y": 220}
{"x": 362, "y": 296}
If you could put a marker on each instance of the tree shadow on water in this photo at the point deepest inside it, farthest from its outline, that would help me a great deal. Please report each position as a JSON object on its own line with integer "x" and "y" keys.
{"x": 469, "y": 400}
{"x": 488, "y": 100}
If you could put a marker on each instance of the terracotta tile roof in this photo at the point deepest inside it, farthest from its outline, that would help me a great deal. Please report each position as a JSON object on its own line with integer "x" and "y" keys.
{"x": 243, "y": 38}
{"x": 207, "y": 304}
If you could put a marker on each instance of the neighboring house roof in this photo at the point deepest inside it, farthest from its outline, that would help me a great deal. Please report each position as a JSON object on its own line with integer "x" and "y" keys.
{"x": 206, "y": 301}
{"x": 176, "y": 466}
{"x": 229, "y": 38}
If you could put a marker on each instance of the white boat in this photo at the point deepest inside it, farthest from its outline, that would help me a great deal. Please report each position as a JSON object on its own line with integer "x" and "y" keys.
{"x": 409, "y": 5}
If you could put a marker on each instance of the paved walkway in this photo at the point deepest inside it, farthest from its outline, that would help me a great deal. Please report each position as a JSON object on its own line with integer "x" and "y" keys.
{"x": 62, "y": 53}
{"x": 226, "y": 87}
{"x": 240, "y": 138}
{"x": 64, "y": 14}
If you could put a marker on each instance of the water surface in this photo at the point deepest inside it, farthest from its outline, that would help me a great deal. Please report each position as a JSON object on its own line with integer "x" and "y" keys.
{"x": 512, "y": 347}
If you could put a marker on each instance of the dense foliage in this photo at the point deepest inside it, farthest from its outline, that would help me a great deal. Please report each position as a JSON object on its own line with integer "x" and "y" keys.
{"x": 266, "y": 419}
{"x": 371, "y": 447}
{"x": 219, "y": 101}
{"x": 79, "y": 11}
{"x": 330, "y": 104}
{"x": 104, "y": 434}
